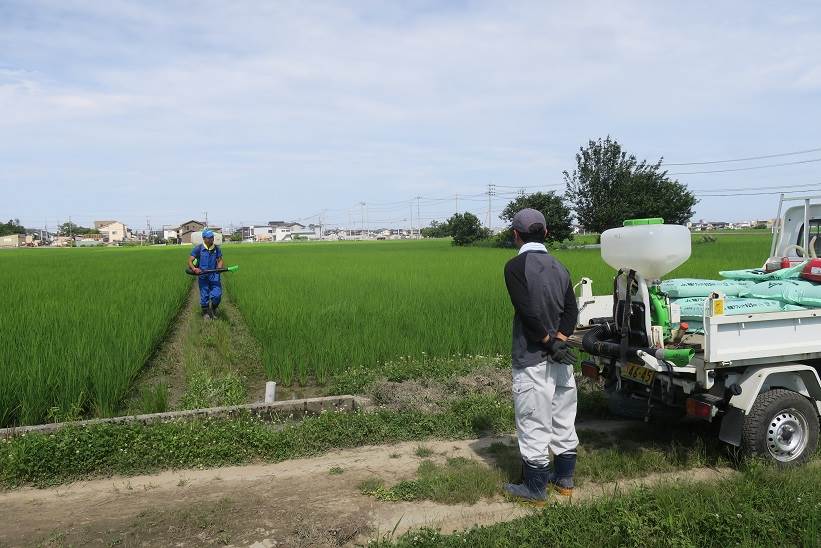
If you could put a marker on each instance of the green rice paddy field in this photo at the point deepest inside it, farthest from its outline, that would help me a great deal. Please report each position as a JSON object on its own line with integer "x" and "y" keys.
{"x": 78, "y": 325}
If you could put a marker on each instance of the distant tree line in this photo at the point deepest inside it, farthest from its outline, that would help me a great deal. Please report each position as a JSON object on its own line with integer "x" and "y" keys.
{"x": 71, "y": 229}
{"x": 13, "y": 226}
{"x": 607, "y": 187}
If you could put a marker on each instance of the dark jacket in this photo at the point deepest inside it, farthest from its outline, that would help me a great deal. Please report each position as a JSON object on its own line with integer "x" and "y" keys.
{"x": 542, "y": 295}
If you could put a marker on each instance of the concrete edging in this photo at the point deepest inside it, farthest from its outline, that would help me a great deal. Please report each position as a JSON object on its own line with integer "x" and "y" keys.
{"x": 303, "y": 407}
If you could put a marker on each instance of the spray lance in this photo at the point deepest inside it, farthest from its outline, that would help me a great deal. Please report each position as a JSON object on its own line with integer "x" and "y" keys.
{"x": 232, "y": 268}
{"x": 196, "y": 261}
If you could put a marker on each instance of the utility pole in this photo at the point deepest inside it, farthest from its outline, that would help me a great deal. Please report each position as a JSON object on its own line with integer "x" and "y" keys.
{"x": 320, "y": 223}
{"x": 362, "y": 214}
{"x": 411, "y": 220}
{"x": 206, "y": 218}
{"x": 419, "y": 215}
{"x": 457, "y": 203}
{"x": 491, "y": 191}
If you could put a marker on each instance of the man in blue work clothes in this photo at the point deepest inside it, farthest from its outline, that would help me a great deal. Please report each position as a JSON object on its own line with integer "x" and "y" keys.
{"x": 544, "y": 389}
{"x": 207, "y": 256}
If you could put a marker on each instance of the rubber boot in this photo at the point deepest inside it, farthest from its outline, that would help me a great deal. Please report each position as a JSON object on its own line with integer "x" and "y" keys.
{"x": 214, "y": 309}
{"x": 206, "y": 313}
{"x": 534, "y": 483}
{"x": 561, "y": 478}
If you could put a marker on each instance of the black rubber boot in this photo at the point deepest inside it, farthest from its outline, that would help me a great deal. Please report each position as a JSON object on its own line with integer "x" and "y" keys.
{"x": 561, "y": 478}
{"x": 534, "y": 482}
{"x": 214, "y": 310}
{"x": 206, "y": 313}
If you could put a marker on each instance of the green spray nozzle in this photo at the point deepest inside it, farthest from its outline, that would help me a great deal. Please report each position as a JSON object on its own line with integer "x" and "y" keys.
{"x": 679, "y": 356}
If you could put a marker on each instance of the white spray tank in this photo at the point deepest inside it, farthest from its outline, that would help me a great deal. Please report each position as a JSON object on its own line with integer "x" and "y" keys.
{"x": 647, "y": 246}
{"x": 651, "y": 249}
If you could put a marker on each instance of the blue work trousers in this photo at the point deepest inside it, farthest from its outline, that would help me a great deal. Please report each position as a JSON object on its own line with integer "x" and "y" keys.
{"x": 209, "y": 289}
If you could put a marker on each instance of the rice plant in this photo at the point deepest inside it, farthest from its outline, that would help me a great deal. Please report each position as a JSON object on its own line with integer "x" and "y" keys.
{"x": 77, "y": 325}
{"x": 320, "y": 309}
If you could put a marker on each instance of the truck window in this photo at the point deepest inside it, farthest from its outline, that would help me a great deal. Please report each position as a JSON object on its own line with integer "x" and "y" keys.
{"x": 815, "y": 230}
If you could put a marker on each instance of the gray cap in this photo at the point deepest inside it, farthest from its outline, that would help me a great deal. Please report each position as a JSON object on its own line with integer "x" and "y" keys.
{"x": 527, "y": 217}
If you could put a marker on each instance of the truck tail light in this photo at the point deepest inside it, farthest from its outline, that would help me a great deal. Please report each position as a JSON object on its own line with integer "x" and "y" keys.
{"x": 700, "y": 409}
{"x": 590, "y": 370}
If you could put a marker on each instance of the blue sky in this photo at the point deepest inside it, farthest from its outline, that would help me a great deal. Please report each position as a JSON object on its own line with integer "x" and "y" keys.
{"x": 258, "y": 111}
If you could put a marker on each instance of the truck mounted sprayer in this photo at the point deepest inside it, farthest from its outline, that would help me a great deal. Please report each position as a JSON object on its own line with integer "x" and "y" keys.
{"x": 757, "y": 372}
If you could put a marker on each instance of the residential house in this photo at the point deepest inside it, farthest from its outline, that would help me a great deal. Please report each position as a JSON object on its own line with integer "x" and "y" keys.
{"x": 170, "y": 235}
{"x": 112, "y": 231}
{"x": 286, "y": 231}
{"x": 261, "y": 233}
{"x": 186, "y": 229}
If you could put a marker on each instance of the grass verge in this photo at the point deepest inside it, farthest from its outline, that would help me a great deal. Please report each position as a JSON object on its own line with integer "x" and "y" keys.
{"x": 761, "y": 507}
{"x": 104, "y": 449}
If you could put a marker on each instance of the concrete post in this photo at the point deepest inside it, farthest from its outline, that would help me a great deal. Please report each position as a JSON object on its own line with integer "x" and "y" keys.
{"x": 270, "y": 392}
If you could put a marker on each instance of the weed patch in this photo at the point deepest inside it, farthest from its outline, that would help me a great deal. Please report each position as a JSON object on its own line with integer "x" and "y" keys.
{"x": 458, "y": 481}
{"x": 204, "y": 390}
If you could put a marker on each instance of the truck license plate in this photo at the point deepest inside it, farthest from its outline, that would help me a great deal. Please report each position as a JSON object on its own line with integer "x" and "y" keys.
{"x": 638, "y": 373}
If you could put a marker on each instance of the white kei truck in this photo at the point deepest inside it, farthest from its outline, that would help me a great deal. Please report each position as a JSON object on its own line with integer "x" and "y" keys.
{"x": 756, "y": 373}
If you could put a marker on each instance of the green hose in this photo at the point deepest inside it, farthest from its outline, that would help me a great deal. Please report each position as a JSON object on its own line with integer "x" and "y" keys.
{"x": 659, "y": 311}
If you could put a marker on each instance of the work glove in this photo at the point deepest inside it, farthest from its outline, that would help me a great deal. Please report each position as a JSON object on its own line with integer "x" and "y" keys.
{"x": 559, "y": 351}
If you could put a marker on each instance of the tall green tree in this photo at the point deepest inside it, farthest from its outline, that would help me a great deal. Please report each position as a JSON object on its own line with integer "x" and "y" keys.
{"x": 556, "y": 214}
{"x": 609, "y": 186}
{"x": 466, "y": 228}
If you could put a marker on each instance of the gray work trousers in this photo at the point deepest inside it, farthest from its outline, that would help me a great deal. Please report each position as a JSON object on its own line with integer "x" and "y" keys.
{"x": 544, "y": 398}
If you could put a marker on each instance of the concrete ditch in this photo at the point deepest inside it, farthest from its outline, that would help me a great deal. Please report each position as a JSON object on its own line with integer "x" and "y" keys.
{"x": 268, "y": 411}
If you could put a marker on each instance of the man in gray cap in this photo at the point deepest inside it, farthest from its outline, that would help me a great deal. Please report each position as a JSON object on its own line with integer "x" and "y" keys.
{"x": 544, "y": 389}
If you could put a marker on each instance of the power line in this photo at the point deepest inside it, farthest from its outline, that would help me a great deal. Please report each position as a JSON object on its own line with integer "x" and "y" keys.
{"x": 764, "y": 157}
{"x": 746, "y": 168}
{"x": 745, "y": 189}
{"x": 736, "y": 194}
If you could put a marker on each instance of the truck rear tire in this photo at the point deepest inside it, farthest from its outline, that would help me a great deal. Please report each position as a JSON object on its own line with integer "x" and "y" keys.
{"x": 782, "y": 426}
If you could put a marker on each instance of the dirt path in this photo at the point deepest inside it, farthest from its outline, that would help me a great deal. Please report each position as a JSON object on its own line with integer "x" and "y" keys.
{"x": 191, "y": 346}
{"x": 293, "y": 503}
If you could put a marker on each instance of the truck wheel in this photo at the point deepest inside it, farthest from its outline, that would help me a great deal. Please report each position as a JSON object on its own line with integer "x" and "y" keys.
{"x": 782, "y": 426}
